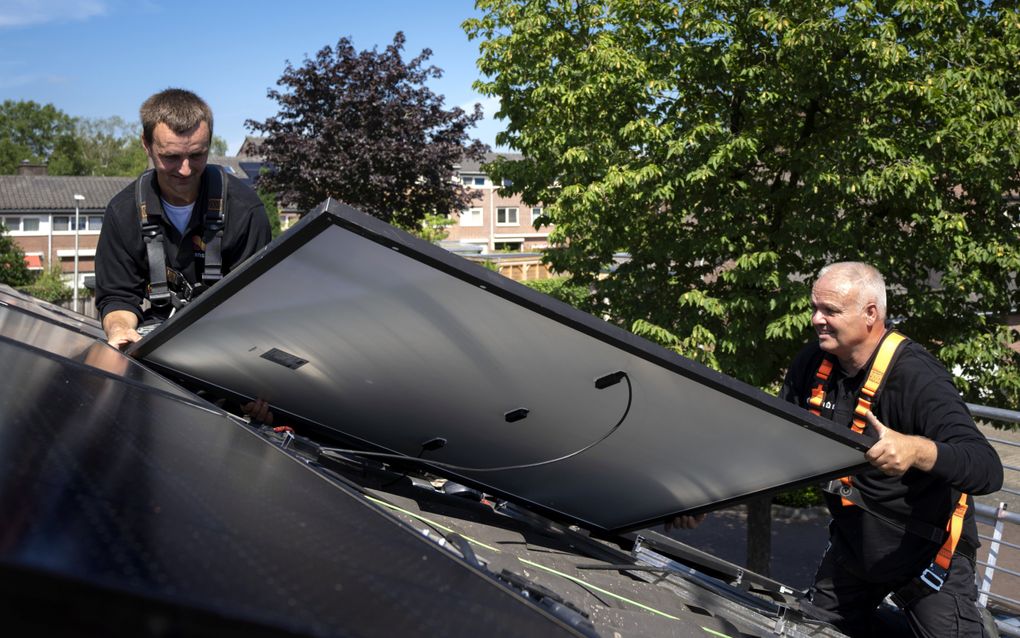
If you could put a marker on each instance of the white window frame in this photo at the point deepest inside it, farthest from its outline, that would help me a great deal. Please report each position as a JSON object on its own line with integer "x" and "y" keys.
{"x": 506, "y": 216}
{"x": 535, "y": 215}
{"x": 18, "y": 230}
{"x": 472, "y": 218}
{"x": 83, "y": 222}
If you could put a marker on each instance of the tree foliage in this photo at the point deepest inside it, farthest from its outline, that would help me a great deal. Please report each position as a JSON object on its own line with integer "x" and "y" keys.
{"x": 734, "y": 147}
{"x": 104, "y": 147}
{"x": 364, "y": 128}
{"x": 434, "y": 228}
{"x": 49, "y": 286}
{"x": 272, "y": 211}
{"x": 34, "y": 132}
{"x": 68, "y": 145}
{"x": 13, "y": 270}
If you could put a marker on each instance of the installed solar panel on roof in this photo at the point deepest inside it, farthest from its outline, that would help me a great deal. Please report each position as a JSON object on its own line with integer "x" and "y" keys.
{"x": 356, "y": 328}
{"x": 129, "y": 512}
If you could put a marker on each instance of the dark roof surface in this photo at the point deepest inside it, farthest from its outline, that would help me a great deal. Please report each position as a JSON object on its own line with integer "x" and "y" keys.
{"x": 56, "y": 192}
{"x": 473, "y": 166}
{"x": 20, "y": 193}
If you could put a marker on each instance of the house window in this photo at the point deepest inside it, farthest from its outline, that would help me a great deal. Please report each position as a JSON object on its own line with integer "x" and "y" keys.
{"x": 536, "y": 212}
{"x": 508, "y": 246}
{"x": 66, "y": 223}
{"x": 479, "y": 181}
{"x": 508, "y": 182}
{"x": 95, "y": 223}
{"x": 471, "y": 217}
{"x": 506, "y": 216}
{"x": 21, "y": 225}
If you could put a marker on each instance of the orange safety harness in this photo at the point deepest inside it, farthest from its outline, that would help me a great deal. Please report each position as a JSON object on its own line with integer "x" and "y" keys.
{"x": 936, "y": 573}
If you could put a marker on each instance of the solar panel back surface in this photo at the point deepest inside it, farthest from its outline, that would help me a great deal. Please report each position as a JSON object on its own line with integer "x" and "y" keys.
{"x": 356, "y": 328}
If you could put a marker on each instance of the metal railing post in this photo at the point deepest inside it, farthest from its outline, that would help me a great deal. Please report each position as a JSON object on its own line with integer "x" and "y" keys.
{"x": 993, "y": 554}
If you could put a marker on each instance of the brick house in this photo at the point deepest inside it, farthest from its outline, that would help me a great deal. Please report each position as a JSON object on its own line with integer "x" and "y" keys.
{"x": 39, "y": 213}
{"x": 496, "y": 222}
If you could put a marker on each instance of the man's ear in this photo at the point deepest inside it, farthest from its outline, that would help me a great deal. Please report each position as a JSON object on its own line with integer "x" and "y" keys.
{"x": 871, "y": 313}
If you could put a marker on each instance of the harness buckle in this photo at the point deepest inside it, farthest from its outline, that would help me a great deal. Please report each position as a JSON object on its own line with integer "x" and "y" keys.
{"x": 934, "y": 576}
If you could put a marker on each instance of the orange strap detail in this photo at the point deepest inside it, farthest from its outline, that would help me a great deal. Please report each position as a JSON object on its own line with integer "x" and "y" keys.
{"x": 818, "y": 392}
{"x": 955, "y": 529}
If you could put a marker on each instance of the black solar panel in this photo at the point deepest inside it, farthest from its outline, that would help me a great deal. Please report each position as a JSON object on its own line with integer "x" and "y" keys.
{"x": 353, "y": 328}
{"x": 131, "y": 512}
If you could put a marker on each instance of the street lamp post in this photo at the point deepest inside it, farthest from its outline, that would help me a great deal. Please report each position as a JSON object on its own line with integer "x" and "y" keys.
{"x": 78, "y": 199}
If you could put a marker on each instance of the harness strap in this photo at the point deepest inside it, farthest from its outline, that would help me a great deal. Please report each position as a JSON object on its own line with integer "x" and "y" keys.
{"x": 918, "y": 528}
{"x": 215, "y": 222}
{"x": 934, "y": 576}
{"x": 152, "y": 235}
{"x": 955, "y": 529}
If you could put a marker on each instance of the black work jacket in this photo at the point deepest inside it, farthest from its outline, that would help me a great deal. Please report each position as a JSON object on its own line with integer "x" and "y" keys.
{"x": 918, "y": 398}
{"x": 122, "y": 264}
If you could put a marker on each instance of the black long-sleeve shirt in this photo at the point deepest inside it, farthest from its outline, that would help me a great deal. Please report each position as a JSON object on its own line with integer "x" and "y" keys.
{"x": 122, "y": 264}
{"x": 918, "y": 398}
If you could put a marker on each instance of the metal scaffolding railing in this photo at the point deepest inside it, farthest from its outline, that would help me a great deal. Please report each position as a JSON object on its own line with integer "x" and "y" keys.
{"x": 997, "y": 517}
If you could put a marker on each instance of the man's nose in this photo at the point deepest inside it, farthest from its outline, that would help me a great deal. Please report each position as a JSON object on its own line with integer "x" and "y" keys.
{"x": 817, "y": 318}
{"x": 185, "y": 168}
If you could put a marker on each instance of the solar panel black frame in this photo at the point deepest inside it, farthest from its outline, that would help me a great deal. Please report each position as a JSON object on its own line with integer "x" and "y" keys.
{"x": 401, "y": 245}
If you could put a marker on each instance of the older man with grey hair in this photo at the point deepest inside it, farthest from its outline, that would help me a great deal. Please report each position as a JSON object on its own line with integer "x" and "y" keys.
{"x": 906, "y": 526}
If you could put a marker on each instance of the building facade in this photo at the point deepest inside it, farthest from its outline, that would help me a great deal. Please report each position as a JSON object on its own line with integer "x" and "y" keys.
{"x": 498, "y": 223}
{"x": 50, "y": 216}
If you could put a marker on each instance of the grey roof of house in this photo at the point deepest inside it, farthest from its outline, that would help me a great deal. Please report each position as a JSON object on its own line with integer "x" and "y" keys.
{"x": 56, "y": 192}
{"x": 20, "y": 193}
{"x": 233, "y": 164}
{"x": 474, "y": 166}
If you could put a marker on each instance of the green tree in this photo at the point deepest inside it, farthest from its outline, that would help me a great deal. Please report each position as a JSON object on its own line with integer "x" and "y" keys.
{"x": 734, "y": 147}
{"x": 13, "y": 270}
{"x": 103, "y": 147}
{"x": 34, "y": 132}
{"x": 434, "y": 228}
{"x": 363, "y": 127}
{"x": 218, "y": 146}
{"x": 272, "y": 210}
{"x": 50, "y": 286}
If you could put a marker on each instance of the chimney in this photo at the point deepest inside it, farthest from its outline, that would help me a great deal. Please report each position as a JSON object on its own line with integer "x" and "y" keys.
{"x": 28, "y": 168}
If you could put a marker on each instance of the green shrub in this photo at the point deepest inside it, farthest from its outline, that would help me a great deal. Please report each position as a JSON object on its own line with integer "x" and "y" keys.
{"x": 809, "y": 496}
{"x": 49, "y": 286}
{"x": 562, "y": 289}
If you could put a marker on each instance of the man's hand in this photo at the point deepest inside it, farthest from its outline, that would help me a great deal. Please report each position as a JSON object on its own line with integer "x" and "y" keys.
{"x": 258, "y": 412}
{"x": 894, "y": 453}
{"x": 684, "y": 522}
{"x": 120, "y": 327}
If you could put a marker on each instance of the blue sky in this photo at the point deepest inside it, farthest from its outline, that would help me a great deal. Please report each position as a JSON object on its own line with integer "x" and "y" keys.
{"x": 98, "y": 58}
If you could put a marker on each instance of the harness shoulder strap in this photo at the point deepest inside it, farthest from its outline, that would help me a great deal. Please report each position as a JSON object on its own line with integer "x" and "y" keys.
{"x": 152, "y": 235}
{"x": 887, "y": 351}
{"x": 214, "y": 223}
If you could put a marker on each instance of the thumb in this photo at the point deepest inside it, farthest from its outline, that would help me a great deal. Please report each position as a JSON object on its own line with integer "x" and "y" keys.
{"x": 875, "y": 424}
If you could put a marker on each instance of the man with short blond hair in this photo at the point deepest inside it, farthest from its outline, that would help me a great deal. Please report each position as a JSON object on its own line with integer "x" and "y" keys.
{"x": 170, "y": 218}
{"x": 884, "y": 538}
